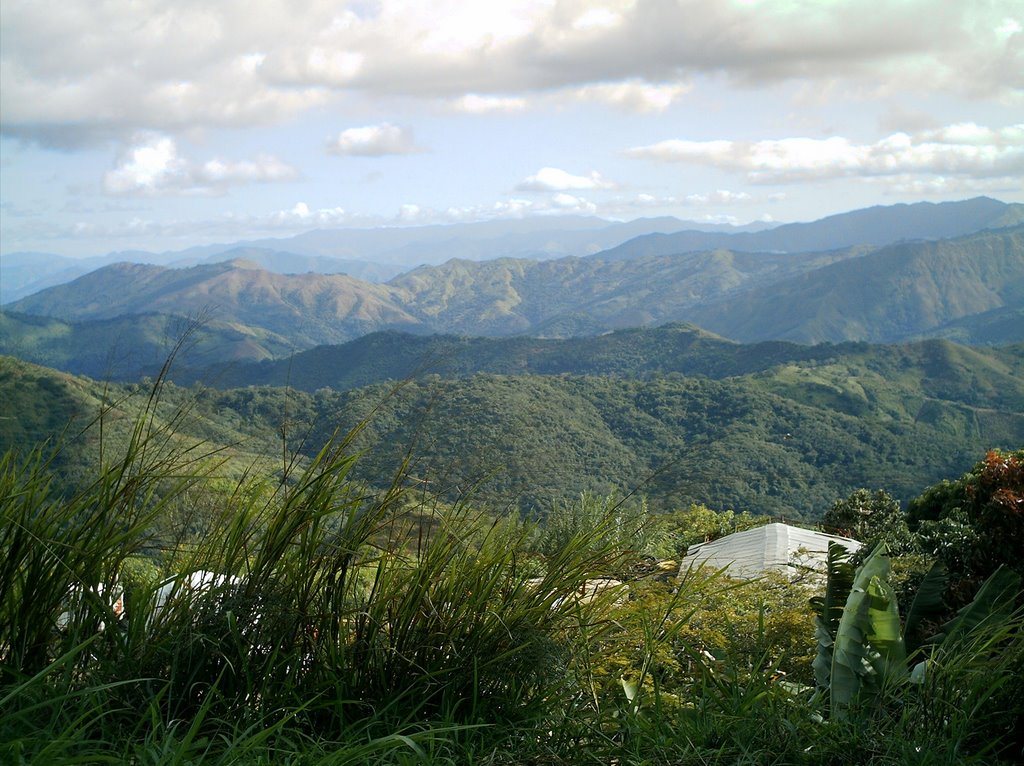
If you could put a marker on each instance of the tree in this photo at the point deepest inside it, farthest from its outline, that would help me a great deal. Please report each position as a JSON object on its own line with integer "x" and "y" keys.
{"x": 700, "y": 524}
{"x": 870, "y": 517}
{"x": 975, "y": 523}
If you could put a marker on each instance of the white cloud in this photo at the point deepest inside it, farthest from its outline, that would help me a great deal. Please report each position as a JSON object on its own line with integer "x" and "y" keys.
{"x": 410, "y": 213}
{"x": 554, "y": 179}
{"x": 645, "y": 202}
{"x": 567, "y": 203}
{"x": 79, "y": 69}
{"x": 597, "y": 18}
{"x": 633, "y": 95}
{"x": 152, "y": 166}
{"x": 916, "y": 186}
{"x": 510, "y": 208}
{"x": 962, "y": 149}
{"x": 718, "y": 197}
{"x": 473, "y": 103}
{"x": 374, "y": 141}
{"x": 302, "y": 217}
{"x": 215, "y": 173}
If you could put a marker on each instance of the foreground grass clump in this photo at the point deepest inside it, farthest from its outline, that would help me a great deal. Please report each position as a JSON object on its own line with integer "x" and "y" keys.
{"x": 328, "y": 618}
{"x": 334, "y": 625}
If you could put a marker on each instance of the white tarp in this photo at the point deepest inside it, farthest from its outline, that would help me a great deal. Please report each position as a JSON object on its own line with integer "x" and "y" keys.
{"x": 774, "y": 546}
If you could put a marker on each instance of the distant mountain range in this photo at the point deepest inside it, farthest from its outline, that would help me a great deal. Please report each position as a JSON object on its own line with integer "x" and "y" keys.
{"x": 970, "y": 289}
{"x": 824, "y": 363}
{"x": 879, "y": 225}
{"x": 375, "y": 255}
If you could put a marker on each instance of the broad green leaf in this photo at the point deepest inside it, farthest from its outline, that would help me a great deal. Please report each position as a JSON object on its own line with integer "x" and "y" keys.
{"x": 829, "y": 610}
{"x": 995, "y": 600}
{"x": 868, "y": 645}
{"x": 884, "y": 635}
{"x": 927, "y": 601}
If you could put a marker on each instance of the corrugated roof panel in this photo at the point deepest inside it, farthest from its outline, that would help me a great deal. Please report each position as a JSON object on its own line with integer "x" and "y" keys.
{"x": 773, "y": 546}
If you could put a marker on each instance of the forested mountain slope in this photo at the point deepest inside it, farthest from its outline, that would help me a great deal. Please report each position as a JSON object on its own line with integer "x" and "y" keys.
{"x": 887, "y": 294}
{"x": 307, "y": 308}
{"x": 800, "y": 428}
{"x": 128, "y": 347}
{"x": 891, "y": 294}
{"x": 932, "y": 368}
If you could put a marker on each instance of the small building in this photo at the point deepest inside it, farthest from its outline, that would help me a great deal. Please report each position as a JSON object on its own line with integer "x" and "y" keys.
{"x": 785, "y": 548}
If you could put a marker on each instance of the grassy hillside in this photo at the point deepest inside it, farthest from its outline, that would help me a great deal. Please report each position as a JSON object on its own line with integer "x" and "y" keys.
{"x": 43, "y": 407}
{"x": 309, "y": 622}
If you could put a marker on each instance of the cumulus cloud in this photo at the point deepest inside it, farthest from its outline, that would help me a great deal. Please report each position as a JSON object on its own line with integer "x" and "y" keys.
{"x": 963, "y": 149}
{"x": 374, "y": 141}
{"x": 633, "y": 95}
{"x": 152, "y": 166}
{"x": 554, "y": 179}
{"x": 718, "y": 197}
{"x": 75, "y": 72}
{"x": 569, "y": 203}
{"x": 122, "y": 65}
{"x": 301, "y": 216}
{"x": 473, "y": 103}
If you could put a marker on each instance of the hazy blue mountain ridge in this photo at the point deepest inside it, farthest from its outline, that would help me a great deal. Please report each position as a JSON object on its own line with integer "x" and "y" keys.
{"x": 879, "y": 225}
{"x": 376, "y": 254}
{"x": 373, "y": 254}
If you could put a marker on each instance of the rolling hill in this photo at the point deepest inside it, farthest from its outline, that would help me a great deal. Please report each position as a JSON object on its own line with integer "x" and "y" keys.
{"x": 984, "y": 377}
{"x": 128, "y": 347}
{"x": 527, "y": 441}
{"x": 774, "y": 427}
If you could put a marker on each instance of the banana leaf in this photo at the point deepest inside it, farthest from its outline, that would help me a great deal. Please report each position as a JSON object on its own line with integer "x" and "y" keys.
{"x": 829, "y": 610}
{"x": 868, "y": 649}
{"x": 928, "y": 601}
{"x": 884, "y": 634}
{"x": 994, "y": 601}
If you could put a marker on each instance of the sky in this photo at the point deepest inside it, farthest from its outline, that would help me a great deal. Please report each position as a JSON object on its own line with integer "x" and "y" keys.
{"x": 147, "y": 124}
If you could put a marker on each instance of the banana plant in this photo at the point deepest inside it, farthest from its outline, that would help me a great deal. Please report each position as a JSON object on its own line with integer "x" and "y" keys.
{"x": 861, "y": 645}
{"x": 860, "y": 642}
{"x": 868, "y": 651}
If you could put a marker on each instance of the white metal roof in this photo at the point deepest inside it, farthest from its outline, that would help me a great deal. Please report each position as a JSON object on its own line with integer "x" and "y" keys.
{"x": 773, "y": 546}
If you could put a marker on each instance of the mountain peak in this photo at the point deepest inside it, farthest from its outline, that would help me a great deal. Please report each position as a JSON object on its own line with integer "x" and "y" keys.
{"x": 242, "y": 263}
